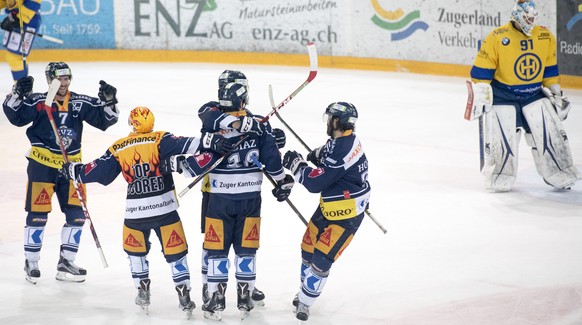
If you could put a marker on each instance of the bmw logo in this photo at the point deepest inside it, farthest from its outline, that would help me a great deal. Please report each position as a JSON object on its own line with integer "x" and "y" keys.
{"x": 505, "y": 41}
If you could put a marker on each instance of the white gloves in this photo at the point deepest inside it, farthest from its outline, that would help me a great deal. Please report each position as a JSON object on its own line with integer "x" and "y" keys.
{"x": 560, "y": 102}
{"x": 480, "y": 100}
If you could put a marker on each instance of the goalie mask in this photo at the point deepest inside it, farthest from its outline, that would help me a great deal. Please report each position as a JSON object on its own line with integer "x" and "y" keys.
{"x": 234, "y": 97}
{"x": 346, "y": 115}
{"x": 525, "y": 15}
{"x": 141, "y": 120}
{"x": 55, "y": 70}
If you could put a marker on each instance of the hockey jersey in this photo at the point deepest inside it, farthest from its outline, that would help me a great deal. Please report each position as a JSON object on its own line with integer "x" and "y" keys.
{"x": 238, "y": 177}
{"x": 517, "y": 65}
{"x": 69, "y": 117}
{"x": 341, "y": 177}
{"x": 137, "y": 157}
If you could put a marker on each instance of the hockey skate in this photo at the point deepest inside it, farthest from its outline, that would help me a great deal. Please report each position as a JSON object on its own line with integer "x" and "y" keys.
{"x": 258, "y": 297}
{"x": 215, "y": 306}
{"x": 302, "y": 311}
{"x": 186, "y": 305}
{"x": 244, "y": 301}
{"x": 32, "y": 271}
{"x": 68, "y": 271}
{"x": 295, "y": 300}
{"x": 143, "y": 295}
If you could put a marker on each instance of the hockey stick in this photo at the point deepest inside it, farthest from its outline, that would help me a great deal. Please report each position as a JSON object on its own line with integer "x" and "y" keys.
{"x": 53, "y": 88}
{"x": 468, "y": 112}
{"x": 258, "y": 164}
{"x": 24, "y": 64}
{"x": 309, "y": 150}
{"x": 312, "y": 74}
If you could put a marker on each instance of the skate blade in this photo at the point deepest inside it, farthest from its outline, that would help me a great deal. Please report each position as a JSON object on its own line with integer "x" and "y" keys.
{"x": 146, "y": 309}
{"x": 217, "y": 315}
{"x": 31, "y": 279}
{"x": 244, "y": 314}
{"x": 68, "y": 277}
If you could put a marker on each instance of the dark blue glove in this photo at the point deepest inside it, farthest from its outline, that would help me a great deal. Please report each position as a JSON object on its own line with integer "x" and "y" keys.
{"x": 280, "y": 138}
{"x": 293, "y": 161}
{"x": 23, "y": 87}
{"x": 172, "y": 164}
{"x": 315, "y": 156}
{"x": 107, "y": 93}
{"x": 11, "y": 22}
{"x": 283, "y": 188}
{"x": 71, "y": 171}
{"x": 216, "y": 142}
{"x": 250, "y": 124}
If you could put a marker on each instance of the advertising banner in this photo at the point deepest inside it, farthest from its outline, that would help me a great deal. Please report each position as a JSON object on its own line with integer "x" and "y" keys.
{"x": 569, "y": 38}
{"x": 447, "y": 31}
{"x": 81, "y": 24}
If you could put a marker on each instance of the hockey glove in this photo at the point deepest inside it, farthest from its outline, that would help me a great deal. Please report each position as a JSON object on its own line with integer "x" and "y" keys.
{"x": 11, "y": 22}
{"x": 71, "y": 171}
{"x": 283, "y": 188}
{"x": 107, "y": 93}
{"x": 280, "y": 138}
{"x": 250, "y": 124}
{"x": 315, "y": 156}
{"x": 480, "y": 100}
{"x": 559, "y": 101}
{"x": 173, "y": 164}
{"x": 216, "y": 142}
{"x": 23, "y": 87}
{"x": 294, "y": 162}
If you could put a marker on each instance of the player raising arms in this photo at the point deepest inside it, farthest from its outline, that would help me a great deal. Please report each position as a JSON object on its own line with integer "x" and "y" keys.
{"x": 516, "y": 90}
{"x": 45, "y": 158}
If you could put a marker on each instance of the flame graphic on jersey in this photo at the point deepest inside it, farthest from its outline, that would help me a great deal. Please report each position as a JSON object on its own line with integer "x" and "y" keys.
{"x": 127, "y": 163}
{"x": 402, "y": 27}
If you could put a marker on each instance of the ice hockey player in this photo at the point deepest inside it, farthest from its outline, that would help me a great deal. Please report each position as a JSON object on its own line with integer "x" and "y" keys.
{"x": 340, "y": 175}
{"x": 22, "y": 15}
{"x": 234, "y": 211}
{"x": 229, "y": 122}
{"x": 151, "y": 200}
{"x": 516, "y": 91}
{"x": 45, "y": 158}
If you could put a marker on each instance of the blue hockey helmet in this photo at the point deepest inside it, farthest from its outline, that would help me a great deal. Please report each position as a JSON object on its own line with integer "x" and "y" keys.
{"x": 57, "y": 69}
{"x": 229, "y": 76}
{"x": 233, "y": 97}
{"x": 525, "y": 15}
{"x": 346, "y": 114}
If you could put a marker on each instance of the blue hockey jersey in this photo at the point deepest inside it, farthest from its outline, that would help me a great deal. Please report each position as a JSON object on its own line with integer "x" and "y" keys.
{"x": 341, "y": 178}
{"x": 69, "y": 117}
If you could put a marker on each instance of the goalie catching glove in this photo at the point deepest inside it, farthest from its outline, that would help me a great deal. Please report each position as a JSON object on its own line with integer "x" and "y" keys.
{"x": 480, "y": 100}
{"x": 559, "y": 101}
{"x": 283, "y": 188}
{"x": 294, "y": 162}
{"x": 217, "y": 143}
{"x": 71, "y": 171}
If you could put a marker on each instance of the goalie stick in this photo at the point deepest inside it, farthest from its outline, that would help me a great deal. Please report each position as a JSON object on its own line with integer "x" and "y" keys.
{"x": 312, "y": 74}
{"x": 258, "y": 164}
{"x": 368, "y": 213}
{"x": 468, "y": 112}
{"x": 46, "y": 37}
{"x": 52, "y": 92}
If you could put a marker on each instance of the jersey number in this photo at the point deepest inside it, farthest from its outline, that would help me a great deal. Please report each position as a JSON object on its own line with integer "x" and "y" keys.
{"x": 526, "y": 45}
{"x": 234, "y": 160}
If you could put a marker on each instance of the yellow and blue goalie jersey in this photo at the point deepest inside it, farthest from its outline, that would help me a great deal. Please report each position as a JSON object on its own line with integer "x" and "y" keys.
{"x": 516, "y": 65}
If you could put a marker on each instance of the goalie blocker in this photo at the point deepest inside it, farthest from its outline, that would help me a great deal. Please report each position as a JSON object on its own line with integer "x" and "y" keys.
{"x": 501, "y": 134}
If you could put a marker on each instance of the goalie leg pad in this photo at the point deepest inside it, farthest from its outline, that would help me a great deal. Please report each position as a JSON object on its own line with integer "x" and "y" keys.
{"x": 501, "y": 147}
{"x": 550, "y": 146}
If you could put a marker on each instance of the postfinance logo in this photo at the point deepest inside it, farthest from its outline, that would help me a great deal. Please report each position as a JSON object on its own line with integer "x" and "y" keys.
{"x": 401, "y": 25}
{"x": 577, "y": 17}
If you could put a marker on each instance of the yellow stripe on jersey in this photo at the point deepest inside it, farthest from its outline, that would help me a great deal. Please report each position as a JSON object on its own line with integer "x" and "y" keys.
{"x": 47, "y": 158}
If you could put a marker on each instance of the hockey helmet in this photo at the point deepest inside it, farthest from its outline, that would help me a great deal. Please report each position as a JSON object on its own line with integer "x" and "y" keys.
{"x": 345, "y": 112}
{"x": 229, "y": 76}
{"x": 57, "y": 69}
{"x": 525, "y": 14}
{"x": 141, "y": 120}
{"x": 234, "y": 97}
